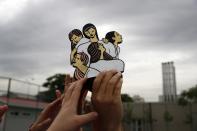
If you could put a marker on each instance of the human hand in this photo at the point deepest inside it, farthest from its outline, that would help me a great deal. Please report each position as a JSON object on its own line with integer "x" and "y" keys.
{"x": 101, "y": 47}
{"x": 106, "y": 100}
{"x": 3, "y": 109}
{"x": 47, "y": 116}
{"x": 68, "y": 119}
{"x": 67, "y": 82}
{"x": 81, "y": 99}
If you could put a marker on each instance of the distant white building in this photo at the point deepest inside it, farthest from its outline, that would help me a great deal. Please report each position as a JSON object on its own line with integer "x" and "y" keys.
{"x": 169, "y": 82}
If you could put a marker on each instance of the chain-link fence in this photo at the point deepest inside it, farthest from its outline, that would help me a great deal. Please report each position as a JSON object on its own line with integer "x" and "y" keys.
{"x": 22, "y": 99}
{"x": 13, "y": 88}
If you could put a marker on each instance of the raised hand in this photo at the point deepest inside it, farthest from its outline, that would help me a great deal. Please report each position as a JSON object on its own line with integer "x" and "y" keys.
{"x": 47, "y": 116}
{"x": 68, "y": 119}
{"x": 106, "y": 100}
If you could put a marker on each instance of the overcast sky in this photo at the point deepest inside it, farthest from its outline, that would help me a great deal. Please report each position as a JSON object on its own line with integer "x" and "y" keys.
{"x": 34, "y": 42}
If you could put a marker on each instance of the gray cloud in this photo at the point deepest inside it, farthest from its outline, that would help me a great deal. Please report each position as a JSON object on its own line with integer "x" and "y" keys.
{"x": 35, "y": 43}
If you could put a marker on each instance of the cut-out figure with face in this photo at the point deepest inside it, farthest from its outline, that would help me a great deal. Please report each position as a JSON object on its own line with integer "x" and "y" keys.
{"x": 106, "y": 58}
{"x": 112, "y": 41}
{"x": 76, "y": 38}
{"x": 95, "y": 48}
{"x": 82, "y": 70}
{"x": 93, "y": 55}
{"x": 90, "y": 32}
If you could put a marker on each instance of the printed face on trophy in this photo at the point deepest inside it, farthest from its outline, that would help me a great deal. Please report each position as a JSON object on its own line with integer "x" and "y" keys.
{"x": 91, "y": 55}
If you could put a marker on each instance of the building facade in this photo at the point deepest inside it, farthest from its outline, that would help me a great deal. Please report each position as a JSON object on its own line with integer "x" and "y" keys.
{"x": 169, "y": 82}
{"x": 21, "y": 114}
{"x": 159, "y": 117}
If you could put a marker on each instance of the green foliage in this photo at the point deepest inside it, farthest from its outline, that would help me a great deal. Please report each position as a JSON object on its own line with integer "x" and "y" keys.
{"x": 188, "y": 96}
{"x": 192, "y": 94}
{"x": 52, "y": 83}
{"x": 188, "y": 119}
{"x": 182, "y": 101}
{"x": 126, "y": 98}
{"x": 167, "y": 116}
{"x": 55, "y": 82}
{"x": 128, "y": 113}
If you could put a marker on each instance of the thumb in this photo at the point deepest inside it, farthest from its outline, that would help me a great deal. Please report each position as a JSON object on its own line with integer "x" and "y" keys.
{"x": 86, "y": 118}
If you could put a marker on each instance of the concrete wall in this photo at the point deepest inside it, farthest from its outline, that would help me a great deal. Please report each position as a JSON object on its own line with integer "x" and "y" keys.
{"x": 137, "y": 117}
{"x": 161, "y": 117}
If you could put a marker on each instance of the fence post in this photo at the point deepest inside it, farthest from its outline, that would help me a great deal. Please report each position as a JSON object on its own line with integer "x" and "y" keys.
{"x": 7, "y": 102}
{"x": 9, "y": 87}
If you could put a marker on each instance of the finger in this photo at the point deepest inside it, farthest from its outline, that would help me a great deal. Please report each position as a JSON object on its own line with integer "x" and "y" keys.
{"x": 77, "y": 91}
{"x": 3, "y": 109}
{"x": 112, "y": 83}
{"x": 79, "y": 85}
{"x": 67, "y": 82}
{"x": 58, "y": 93}
{"x": 107, "y": 77}
{"x": 118, "y": 87}
{"x": 43, "y": 126}
{"x": 67, "y": 79}
{"x": 50, "y": 107}
{"x": 97, "y": 83}
{"x": 66, "y": 87}
{"x": 69, "y": 91}
{"x": 55, "y": 112}
{"x": 86, "y": 118}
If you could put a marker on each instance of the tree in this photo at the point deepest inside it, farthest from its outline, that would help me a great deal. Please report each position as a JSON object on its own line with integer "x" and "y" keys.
{"x": 126, "y": 98}
{"x": 167, "y": 118}
{"x": 138, "y": 99}
{"x": 128, "y": 112}
{"x": 54, "y": 82}
{"x": 188, "y": 96}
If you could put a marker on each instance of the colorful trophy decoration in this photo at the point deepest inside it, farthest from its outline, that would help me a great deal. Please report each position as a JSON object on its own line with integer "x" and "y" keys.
{"x": 90, "y": 55}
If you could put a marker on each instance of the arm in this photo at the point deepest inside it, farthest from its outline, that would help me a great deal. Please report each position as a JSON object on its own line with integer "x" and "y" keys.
{"x": 46, "y": 117}
{"x": 68, "y": 119}
{"x": 106, "y": 99}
